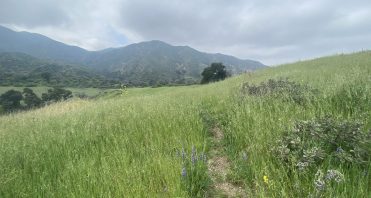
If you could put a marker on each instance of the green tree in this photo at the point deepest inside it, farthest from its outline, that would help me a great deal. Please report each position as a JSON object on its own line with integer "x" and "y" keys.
{"x": 31, "y": 99}
{"x": 215, "y": 72}
{"x": 11, "y": 100}
{"x": 56, "y": 94}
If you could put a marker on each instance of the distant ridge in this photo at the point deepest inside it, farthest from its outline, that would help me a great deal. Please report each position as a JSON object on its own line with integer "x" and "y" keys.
{"x": 19, "y": 69}
{"x": 141, "y": 64}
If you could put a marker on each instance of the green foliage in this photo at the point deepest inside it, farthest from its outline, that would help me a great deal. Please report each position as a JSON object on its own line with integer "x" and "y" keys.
{"x": 46, "y": 76}
{"x": 312, "y": 142}
{"x": 323, "y": 181}
{"x": 156, "y": 63}
{"x": 18, "y": 69}
{"x": 215, "y": 72}
{"x": 56, "y": 94}
{"x": 352, "y": 99}
{"x": 288, "y": 90}
{"x": 11, "y": 100}
{"x": 31, "y": 99}
{"x": 195, "y": 179}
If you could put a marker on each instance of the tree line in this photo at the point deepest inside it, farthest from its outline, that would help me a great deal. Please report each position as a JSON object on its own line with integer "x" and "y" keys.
{"x": 13, "y": 100}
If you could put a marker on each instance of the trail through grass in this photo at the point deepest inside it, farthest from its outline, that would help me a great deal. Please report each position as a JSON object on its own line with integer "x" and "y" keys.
{"x": 219, "y": 168}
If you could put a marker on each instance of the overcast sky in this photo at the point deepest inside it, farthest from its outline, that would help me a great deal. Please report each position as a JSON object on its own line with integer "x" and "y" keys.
{"x": 271, "y": 31}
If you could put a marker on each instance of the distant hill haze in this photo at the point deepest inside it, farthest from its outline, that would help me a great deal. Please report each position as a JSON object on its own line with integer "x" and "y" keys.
{"x": 141, "y": 64}
{"x": 19, "y": 69}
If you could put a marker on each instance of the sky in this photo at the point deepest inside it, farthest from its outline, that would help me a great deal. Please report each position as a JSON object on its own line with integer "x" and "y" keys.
{"x": 271, "y": 31}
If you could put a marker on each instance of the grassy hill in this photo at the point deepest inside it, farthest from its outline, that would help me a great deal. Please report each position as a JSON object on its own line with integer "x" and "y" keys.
{"x": 143, "y": 142}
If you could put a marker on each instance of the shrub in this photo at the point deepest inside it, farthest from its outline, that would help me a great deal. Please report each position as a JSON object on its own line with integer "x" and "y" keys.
{"x": 322, "y": 181}
{"x": 31, "y": 99}
{"x": 312, "y": 142}
{"x": 282, "y": 88}
{"x": 56, "y": 94}
{"x": 11, "y": 100}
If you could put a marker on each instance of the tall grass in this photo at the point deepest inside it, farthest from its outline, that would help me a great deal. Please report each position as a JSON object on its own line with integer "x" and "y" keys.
{"x": 254, "y": 124}
{"x": 127, "y": 145}
{"x": 115, "y": 147}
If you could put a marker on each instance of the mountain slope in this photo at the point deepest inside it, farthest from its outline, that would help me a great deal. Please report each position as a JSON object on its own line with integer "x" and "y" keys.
{"x": 39, "y": 46}
{"x": 159, "y": 61}
{"x": 146, "y": 63}
{"x": 19, "y": 69}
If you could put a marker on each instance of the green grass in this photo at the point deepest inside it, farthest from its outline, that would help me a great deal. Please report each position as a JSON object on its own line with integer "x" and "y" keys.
{"x": 125, "y": 145}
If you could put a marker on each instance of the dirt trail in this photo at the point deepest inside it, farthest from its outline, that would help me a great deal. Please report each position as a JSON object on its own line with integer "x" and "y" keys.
{"x": 218, "y": 167}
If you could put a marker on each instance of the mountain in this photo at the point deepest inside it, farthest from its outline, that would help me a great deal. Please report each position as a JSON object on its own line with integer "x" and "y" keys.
{"x": 145, "y": 63}
{"x": 18, "y": 69}
{"x": 39, "y": 46}
{"x": 159, "y": 62}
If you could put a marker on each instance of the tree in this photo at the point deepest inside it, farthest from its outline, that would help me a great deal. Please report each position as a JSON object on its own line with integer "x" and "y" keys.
{"x": 31, "y": 99}
{"x": 56, "y": 94}
{"x": 215, "y": 72}
{"x": 11, "y": 100}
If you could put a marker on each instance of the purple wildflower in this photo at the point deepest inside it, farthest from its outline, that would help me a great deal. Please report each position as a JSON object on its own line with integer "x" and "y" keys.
{"x": 184, "y": 172}
{"x": 183, "y": 154}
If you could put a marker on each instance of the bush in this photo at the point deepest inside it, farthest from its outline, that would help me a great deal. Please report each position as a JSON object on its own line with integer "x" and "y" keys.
{"x": 56, "y": 94}
{"x": 282, "y": 88}
{"x": 312, "y": 142}
{"x": 11, "y": 100}
{"x": 31, "y": 99}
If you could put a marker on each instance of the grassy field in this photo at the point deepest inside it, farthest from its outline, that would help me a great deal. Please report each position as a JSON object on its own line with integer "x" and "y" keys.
{"x": 141, "y": 142}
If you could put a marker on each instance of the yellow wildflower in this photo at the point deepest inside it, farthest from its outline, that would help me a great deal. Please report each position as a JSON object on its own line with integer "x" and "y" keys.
{"x": 265, "y": 178}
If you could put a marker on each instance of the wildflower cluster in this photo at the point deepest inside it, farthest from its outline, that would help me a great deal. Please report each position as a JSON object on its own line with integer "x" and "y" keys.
{"x": 285, "y": 89}
{"x": 310, "y": 142}
{"x": 194, "y": 171}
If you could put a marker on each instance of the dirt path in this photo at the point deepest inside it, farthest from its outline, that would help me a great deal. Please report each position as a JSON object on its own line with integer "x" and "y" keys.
{"x": 218, "y": 167}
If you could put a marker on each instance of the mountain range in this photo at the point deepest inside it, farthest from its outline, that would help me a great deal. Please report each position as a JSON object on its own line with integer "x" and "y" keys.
{"x": 141, "y": 64}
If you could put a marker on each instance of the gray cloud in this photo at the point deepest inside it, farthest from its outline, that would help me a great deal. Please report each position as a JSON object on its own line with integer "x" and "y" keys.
{"x": 268, "y": 30}
{"x": 32, "y": 13}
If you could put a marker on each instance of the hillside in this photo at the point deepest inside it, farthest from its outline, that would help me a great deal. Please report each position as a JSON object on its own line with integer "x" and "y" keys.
{"x": 142, "y": 64}
{"x": 168, "y": 141}
{"x": 39, "y": 46}
{"x": 19, "y": 69}
{"x": 158, "y": 62}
